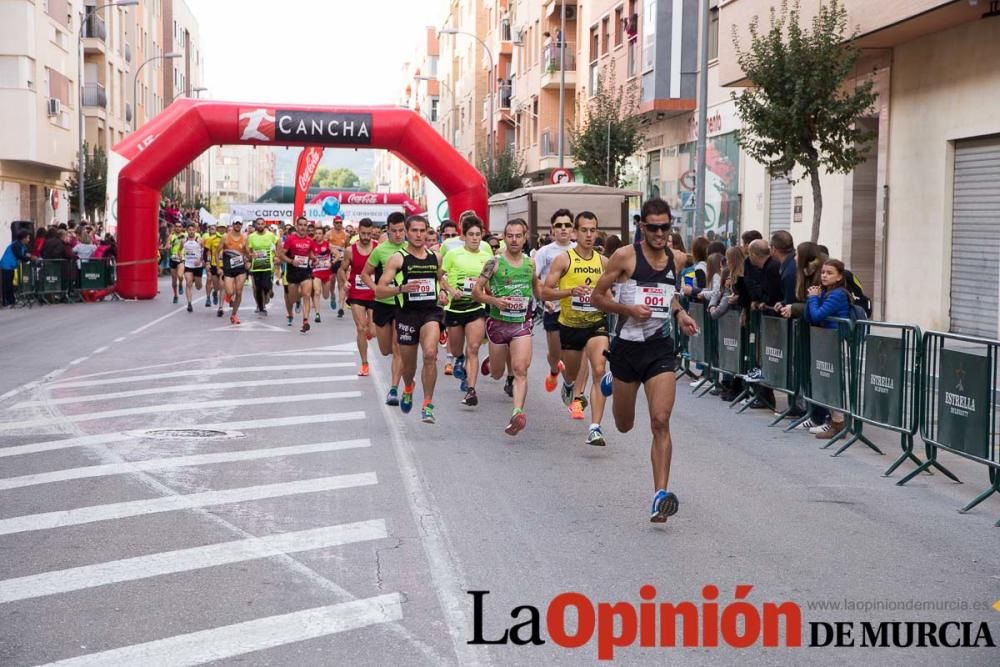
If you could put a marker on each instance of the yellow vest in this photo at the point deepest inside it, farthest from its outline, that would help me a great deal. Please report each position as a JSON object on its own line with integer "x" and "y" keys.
{"x": 575, "y": 311}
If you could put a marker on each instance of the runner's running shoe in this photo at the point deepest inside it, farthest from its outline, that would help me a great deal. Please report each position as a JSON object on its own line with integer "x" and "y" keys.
{"x": 484, "y": 368}
{"x": 566, "y": 395}
{"x": 551, "y": 382}
{"x": 208, "y": 302}
{"x": 576, "y": 410}
{"x": 443, "y": 338}
{"x": 607, "y": 384}
{"x": 180, "y": 290}
{"x": 340, "y": 313}
{"x": 175, "y": 298}
{"x": 665, "y": 504}
{"x": 406, "y": 403}
{"x": 517, "y": 423}
{"x": 233, "y": 319}
{"x": 448, "y": 368}
{"x": 218, "y": 313}
{"x": 305, "y": 327}
{"x": 318, "y": 318}
{"x": 471, "y": 399}
{"x": 392, "y": 398}
{"x": 289, "y": 320}
{"x": 596, "y": 438}
{"x": 215, "y": 297}
{"x": 508, "y": 386}
{"x": 583, "y": 401}
{"x": 427, "y": 414}
{"x": 364, "y": 371}
{"x": 458, "y": 370}
{"x": 190, "y": 309}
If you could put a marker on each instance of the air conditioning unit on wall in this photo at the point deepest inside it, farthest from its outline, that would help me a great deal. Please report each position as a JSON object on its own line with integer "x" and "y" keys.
{"x": 517, "y": 36}
{"x": 54, "y": 106}
{"x": 571, "y": 13}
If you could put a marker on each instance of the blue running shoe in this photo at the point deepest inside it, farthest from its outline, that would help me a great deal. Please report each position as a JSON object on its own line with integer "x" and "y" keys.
{"x": 596, "y": 438}
{"x": 459, "y": 368}
{"x": 406, "y": 403}
{"x": 464, "y": 386}
{"x": 427, "y": 414}
{"x": 180, "y": 290}
{"x": 607, "y": 383}
{"x": 333, "y": 303}
{"x": 392, "y": 398}
{"x": 665, "y": 504}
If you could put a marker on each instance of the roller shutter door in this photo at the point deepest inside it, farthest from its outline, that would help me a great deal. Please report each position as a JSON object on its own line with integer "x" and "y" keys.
{"x": 779, "y": 215}
{"x": 975, "y": 240}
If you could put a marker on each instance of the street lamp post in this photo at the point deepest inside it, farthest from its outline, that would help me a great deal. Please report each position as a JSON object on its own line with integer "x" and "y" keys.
{"x": 135, "y": 83}
{"x": 79, "y": 111}
{"x": 454, "y": 31}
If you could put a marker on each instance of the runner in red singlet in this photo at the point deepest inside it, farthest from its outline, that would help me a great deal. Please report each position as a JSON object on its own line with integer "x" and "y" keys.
{"x": 360, "y": 297}
{"x": 322, "y": 270}
{"x": 298, "y": 252}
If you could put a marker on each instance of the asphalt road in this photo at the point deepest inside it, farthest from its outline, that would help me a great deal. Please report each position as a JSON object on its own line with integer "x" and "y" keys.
{"x": 326, "y": 528}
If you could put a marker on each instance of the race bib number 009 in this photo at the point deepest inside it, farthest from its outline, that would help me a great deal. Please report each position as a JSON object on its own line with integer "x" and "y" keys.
{"x": 426, "y": 289}
{"x": 582, "y": 304}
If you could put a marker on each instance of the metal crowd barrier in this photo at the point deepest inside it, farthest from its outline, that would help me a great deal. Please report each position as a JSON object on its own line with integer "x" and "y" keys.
{"x": 731, "y": 346}
{"x": 827, "y": 374}
{"x": 48, "y": 280}
{"x": 700, "y": 347}
{"x": 959, "y": 407}
{"x": 778, "y": 356}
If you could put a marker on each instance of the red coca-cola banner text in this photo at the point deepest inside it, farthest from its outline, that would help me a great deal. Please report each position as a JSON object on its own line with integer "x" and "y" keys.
{"x": 304, "y": 171}
{"x": 369, "y": 198}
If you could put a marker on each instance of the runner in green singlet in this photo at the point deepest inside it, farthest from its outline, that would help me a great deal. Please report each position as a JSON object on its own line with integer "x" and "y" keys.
{"x": 262, "y": 244}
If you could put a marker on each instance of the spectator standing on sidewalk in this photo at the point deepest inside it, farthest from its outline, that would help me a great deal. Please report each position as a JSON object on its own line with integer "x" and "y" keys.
{"x": 16, "y": 252}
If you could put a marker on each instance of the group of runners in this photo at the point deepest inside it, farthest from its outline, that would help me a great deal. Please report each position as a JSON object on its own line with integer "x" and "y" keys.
{"x": 306, "y": 261}
{"x": 609, "y": 319}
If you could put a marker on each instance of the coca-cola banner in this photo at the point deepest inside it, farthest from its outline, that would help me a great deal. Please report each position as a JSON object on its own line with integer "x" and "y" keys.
{"x": 369, "y": 198}
{"x": 304, "y": 171}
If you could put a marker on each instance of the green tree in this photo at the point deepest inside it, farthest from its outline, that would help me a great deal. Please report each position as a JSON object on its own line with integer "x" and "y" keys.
{"x": 797, "y": 111}
{"x": 95, "y": 172}
{"x": 506, "y": 173}
{"x": 338, "y": 178}
{"x": 608, "y": 134}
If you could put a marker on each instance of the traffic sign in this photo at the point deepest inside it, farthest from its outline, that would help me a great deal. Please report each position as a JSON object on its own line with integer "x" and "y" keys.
{"x": 561, "y": 175}
{"x": 687, "y": 201}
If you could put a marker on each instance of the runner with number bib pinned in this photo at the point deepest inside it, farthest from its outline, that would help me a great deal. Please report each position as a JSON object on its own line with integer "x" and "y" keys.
{"x": 234, "y": 268}
{"x": 360, "y": 297}
{"x": 384, "y": 312}
{"x": 262, "y": 245}
{"x": 507, "y": 284}
{"x": 642, "y": 353}
{"x": 583, "y": 329}
{"x": 411, "y": 275}
{"x": 323, "y": 270}
{"x": 298, "y": 253}
{"x": 193, "y": 252}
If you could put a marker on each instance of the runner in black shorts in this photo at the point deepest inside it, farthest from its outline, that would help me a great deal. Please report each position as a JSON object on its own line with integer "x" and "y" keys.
{"x": 360, "y": 299}
{"x": 298, "y": 252}
{"x": 235, "y": 257}
{"x": 642, "y": 352}
{"x": 384, "y": 312}
{"x": 420, "y": 317}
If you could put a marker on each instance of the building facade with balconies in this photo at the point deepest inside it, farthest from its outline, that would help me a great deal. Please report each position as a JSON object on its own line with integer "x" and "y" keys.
{"x": 38, "y": 98}
{"x": 919, "y": 222}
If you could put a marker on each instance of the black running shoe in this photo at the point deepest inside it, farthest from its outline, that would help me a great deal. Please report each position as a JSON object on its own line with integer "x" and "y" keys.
{"x": 471, "y": 399}
{"x": 508, "y": 386}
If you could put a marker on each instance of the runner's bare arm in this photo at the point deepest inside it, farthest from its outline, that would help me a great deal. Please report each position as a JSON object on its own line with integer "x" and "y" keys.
{"x": 345, "y": 265}
{"x": 621, "y": 264}
{"x": 387, "y": 287}
{"x": 549, "y": 289}
{"x": 368, "y": 275}
{"x": 481, "y": 291}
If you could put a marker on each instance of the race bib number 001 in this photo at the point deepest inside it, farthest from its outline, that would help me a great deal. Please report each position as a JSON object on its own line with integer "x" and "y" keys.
{"x": 426, "y": 289}
{"x": 655, "y": 297}
{"x": 582, "y": 304}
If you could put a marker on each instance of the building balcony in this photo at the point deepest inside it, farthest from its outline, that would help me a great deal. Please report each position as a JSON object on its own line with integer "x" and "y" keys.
{"x": 95, "y": 34}
{"x": 128, "y": 52}
{"x": 94, "y": 95}
{"x": 550, "y": 66}
{"x": 552, "y": 8}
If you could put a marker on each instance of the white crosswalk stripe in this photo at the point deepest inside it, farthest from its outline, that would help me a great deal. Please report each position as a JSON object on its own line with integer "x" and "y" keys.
{"x": 185, "y": 560}
{"x": 218, "y": 643}
{"x": 176, "y": 462}
{"x": 179, "y": 407}
{"x": 184, "y": 388}
{"x": 198, "y": 372}
{"x": 244, "y": 425}
{"x": 83, "y": 515}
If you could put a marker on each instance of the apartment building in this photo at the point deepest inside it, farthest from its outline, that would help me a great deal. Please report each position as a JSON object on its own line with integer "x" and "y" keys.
{"x": 238, "y": 174}
{"x": 38, "y": 103}
{"x": 920, "y": 220}
{"x": 183, "y": 77}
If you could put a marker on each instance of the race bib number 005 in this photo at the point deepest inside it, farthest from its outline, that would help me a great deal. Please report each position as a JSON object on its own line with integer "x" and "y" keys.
{"x": 515, "y": 307}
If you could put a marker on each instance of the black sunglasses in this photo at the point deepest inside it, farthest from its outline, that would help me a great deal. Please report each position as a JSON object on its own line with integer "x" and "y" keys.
{"x": 665, "y": 227}
{"x": 561, "y": 225}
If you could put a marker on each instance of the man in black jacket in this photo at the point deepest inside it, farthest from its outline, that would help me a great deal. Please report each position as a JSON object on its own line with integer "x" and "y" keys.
{"x": 765, "y": 295}
{"x": 783, "y": 252}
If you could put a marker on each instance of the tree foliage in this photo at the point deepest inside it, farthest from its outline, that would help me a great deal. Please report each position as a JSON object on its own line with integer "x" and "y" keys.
{"x": 338, "y": 178}
{"x": 797, "y": 113}
{"x": 611, "y": 113}
{"x": 95, "y": 172}
{"x": 506, "y": 173}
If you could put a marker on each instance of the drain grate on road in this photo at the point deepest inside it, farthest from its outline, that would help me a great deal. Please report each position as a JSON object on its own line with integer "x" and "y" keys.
{"x": 185, "y": 434}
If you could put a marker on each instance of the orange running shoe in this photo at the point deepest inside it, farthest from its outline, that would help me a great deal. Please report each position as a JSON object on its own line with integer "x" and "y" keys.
{"x": 448, "y": 368}
{"x": 443, "y": 338}
{"x": 364, "y": 371}
{"x": 233, "y": 319}
{"x": 576, "y": 409}
{"x": 551, "y": 382}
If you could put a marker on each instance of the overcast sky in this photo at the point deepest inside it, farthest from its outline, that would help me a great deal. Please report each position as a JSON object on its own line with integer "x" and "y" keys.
{"x": 309, "y": 51}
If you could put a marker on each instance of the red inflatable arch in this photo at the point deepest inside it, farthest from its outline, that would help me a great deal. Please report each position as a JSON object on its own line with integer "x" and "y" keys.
{"x": 154, "y": 154}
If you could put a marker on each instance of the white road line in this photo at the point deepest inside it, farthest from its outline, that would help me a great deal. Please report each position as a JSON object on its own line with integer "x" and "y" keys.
{"x": 107, "y": 438}
{"x": 198, "y": 372}
{"x": 82, "y": 515}
{"x": 99, "y": 350}
{"x": 78, "y": 360}
{"x": 183, "y": 388}
{"x": 119, "y": 339}
{"x": 443, "y": 562}
{"x": 160, "y": 319}
{"x": 176, "y": 462}
{"x": 196, "y": 406}
{"x": 186, "y": 560}
{"x": 228, "y": 641}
